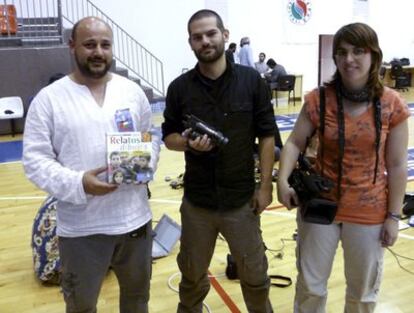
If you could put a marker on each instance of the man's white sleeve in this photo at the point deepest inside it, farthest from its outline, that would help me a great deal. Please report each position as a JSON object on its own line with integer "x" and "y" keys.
{"x": 40, "y": 158}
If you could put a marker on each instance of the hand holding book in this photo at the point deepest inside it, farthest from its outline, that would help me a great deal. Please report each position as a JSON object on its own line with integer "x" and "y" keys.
{"x": 128, "y": 157}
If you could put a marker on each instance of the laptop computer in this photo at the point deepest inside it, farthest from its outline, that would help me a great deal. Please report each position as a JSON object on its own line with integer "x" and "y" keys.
{"x": 167, "y": 233}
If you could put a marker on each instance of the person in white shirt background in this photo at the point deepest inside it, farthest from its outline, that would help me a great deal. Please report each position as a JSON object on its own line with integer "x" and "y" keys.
{"x": 246, "y": 53}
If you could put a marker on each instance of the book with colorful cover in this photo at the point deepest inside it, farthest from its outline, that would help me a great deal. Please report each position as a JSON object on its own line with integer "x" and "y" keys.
{"x": 128, "y": 157}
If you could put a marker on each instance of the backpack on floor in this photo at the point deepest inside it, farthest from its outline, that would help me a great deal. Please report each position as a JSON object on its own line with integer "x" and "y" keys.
{"x": 45, "y": 243}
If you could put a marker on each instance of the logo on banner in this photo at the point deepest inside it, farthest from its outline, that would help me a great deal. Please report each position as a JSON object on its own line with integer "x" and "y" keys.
{"x": 299, "y": 11}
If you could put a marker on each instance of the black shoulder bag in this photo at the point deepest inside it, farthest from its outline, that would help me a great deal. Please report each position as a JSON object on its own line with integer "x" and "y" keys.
{"x": 309, "y": 185}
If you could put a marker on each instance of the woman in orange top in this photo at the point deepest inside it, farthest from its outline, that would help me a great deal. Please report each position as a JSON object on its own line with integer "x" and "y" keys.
{"x": 364, "y": 154}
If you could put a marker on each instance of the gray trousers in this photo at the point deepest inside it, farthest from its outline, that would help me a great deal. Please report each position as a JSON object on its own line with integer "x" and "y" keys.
{"x": 363, "y": 260}
{"x": 86, "y": 260}
{"x": 241, "y": 229}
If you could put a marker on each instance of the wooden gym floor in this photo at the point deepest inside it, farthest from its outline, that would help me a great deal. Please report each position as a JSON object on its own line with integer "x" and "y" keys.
{"x": 21, "y": 292}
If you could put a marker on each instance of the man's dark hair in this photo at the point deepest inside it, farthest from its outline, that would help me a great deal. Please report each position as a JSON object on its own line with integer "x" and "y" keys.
{"x": 232, "y": 46}
{"x": 74, "y": 28}
{"x": 271, "y": 63}
{"x": 205, "y": 13}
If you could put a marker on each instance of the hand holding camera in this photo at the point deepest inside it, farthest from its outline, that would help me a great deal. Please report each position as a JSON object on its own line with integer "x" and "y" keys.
{"x": 197, "y": 145}
{"x": 202, "y": 133}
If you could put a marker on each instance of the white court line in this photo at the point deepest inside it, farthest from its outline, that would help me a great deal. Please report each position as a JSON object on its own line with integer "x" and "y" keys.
{"x": 165, "y": 201}
{"x": 22, "y": 198}
{"x": 292, "y": 215}
{"x": 7, "y": 198}
{"x": 10, "y": 162}
{"x": 405, "y": 236}
{"x": 284, "y": 214}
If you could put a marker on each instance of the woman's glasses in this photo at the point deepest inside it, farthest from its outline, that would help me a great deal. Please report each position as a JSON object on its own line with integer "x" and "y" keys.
{"x": 356, "y": 53}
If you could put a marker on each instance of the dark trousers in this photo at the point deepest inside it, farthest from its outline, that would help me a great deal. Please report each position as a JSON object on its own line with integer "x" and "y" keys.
{"x": 86, "y": 260}
{"x": 241, "y": 229}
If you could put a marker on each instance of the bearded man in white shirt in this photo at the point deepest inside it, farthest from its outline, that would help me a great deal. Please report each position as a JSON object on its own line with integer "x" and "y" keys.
{"x": 99, "y": 224}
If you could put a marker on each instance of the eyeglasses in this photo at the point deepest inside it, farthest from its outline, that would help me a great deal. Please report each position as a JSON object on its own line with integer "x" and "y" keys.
{"x": 356, "y": 53}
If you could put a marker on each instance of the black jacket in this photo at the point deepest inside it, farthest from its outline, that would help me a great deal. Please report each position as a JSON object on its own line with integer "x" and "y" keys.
{"x": 238, "y": 105}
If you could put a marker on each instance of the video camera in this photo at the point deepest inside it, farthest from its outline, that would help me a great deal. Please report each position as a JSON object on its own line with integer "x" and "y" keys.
{"x": 309, "y": 186}
{"x": 200, "y": 128}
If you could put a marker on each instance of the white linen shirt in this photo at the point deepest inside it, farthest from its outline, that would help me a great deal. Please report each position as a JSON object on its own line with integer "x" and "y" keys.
{"x": 65, "y": 135}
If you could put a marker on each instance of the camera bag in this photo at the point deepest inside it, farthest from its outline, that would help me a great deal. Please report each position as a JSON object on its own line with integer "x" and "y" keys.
{"x": 314, "y": 208}
{"x": 319, "y": 210}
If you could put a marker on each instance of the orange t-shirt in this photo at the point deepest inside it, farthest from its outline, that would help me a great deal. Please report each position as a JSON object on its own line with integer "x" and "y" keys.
{"x": 361, "y": 201}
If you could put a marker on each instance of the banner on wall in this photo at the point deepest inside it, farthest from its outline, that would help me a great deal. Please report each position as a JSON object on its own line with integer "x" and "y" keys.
{"x": 299, "y": 11}
{"x": 299, "y": 27}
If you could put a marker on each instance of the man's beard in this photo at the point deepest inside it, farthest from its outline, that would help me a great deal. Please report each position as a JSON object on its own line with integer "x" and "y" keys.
{"x": 211, "y": 58}
{"x": 88, "y": 71}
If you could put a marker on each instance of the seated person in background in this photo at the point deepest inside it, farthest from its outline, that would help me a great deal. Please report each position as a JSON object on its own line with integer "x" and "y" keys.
{"x": 276, "y": 70}
{"x": 261, "y": 66}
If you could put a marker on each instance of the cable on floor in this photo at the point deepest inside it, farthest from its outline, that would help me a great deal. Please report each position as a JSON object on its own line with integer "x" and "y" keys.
{"x": 173, "y": 288}
{"x": 397, "y": 258}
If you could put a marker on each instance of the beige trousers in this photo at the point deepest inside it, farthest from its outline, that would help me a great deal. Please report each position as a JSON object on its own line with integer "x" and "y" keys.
{"x": 363, "y": 260}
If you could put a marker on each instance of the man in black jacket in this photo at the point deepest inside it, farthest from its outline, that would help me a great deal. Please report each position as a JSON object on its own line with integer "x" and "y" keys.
{"x": 219, "y": 186}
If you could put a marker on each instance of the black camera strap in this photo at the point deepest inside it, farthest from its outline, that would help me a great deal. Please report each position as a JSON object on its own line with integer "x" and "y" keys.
{"x": 275, "y": 280}
{"x": 322, "y": 110}
{"x": 341, "y": 134}
{"x": 280, "y": 281}
{"x": 378, "y": 129}
{"x": 341, "y": 139}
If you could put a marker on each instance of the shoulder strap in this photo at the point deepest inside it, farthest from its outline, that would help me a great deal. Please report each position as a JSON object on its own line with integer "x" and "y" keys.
{"x": 322, "y": 111}
{"x": 378, "y": 129}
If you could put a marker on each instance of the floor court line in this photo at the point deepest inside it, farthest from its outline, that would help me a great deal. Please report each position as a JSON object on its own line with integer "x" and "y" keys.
{"x": 223, "y": 294}
{"x": 267, "y": 212}
{"x": 406, "y": 236}
{"x": 5, "y": 198}
{"x": 10, "y": 162}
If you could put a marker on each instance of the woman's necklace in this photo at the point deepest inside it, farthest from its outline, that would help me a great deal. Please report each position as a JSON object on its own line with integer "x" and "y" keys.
{"x": 361, "y": 95}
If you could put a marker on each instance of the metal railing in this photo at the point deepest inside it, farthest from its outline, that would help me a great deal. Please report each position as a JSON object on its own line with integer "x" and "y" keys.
{"x": 38, "y": 22}
{"x": 43, "y": 21}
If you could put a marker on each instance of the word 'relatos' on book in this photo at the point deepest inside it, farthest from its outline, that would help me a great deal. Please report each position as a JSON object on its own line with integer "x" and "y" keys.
{"x": 128, "y": 157}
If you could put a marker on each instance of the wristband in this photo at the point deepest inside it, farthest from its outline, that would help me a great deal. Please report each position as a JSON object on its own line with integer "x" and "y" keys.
{"x": 394, "y": 216}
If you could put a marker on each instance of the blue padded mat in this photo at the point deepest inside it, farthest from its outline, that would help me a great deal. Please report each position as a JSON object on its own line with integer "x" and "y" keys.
{"x": 11, "y": 151}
